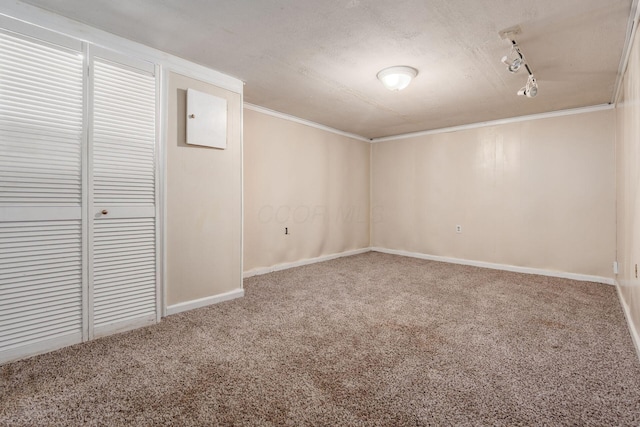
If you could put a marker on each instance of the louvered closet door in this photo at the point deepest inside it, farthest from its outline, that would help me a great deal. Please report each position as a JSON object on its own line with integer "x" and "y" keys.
{"x": 41, "y": 238}
{"x": 123, "y": 206}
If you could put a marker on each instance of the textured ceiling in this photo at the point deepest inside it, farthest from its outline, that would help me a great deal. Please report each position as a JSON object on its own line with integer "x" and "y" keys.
{"x": 318, "y": 60}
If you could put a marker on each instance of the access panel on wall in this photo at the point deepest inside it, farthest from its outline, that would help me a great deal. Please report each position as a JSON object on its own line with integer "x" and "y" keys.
{"x": 77, "y": 192}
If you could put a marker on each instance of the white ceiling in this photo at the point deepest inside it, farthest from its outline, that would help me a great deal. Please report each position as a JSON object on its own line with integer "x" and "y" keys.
{"x": 318, "y": 59}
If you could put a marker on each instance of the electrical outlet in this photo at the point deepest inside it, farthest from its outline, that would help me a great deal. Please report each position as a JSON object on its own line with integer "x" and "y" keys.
{"x": 458, "y": 229}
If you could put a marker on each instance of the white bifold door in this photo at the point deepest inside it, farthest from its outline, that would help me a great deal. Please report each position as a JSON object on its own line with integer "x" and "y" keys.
{"x": 122, "y": 219}
{"x": 78, "y": 232}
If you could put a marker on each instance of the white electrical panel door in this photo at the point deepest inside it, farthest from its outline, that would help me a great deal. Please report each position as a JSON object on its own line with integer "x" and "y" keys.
{"x": 206, "y": 119}
{"x": 122, "y": 210}
{"x": 41, "y": 193}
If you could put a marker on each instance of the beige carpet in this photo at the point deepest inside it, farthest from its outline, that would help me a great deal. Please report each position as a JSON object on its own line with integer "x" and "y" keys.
{"x": 368, "y": 340}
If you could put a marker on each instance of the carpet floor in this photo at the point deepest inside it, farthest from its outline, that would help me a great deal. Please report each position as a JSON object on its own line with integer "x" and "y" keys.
{"x": 367, "y": 340}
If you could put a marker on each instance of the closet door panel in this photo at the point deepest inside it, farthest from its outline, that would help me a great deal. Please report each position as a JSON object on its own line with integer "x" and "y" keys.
{"x": 123, "y": 159}
{"x": 41, "y": 184}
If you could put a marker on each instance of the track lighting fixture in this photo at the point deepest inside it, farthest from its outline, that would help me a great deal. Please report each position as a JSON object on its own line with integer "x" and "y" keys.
{"x": 515, "y": 60}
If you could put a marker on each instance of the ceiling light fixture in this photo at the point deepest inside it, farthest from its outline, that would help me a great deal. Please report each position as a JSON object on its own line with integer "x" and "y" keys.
{"x": 398, "y": 77}
{"x": 515, "y": 60}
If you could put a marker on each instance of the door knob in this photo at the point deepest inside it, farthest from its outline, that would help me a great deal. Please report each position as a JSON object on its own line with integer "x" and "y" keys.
{"x": 104, "y": 211}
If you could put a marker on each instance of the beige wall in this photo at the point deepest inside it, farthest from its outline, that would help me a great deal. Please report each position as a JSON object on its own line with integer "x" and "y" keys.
{"x": 204, "y": 202}
{"x": 313, "y": 182}
{"x": 628, "y": 184}
{"x": 538, "y": 194}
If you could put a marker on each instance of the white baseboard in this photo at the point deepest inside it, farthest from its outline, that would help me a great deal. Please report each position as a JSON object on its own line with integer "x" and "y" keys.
{"x": 505, "y": 267}
{"x": 203, "y": 302}
{"x": 635, "y": 336}
{"x": 40, "y": 347}
{"x": 123, "y": 326}
{"x": 285, "y": 266}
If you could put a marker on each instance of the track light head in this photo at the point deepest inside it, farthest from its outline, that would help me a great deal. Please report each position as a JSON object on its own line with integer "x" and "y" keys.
{"x": 514, "y": 67}
{"x": 514, "y": 61}
{"x": 531, "y": 89}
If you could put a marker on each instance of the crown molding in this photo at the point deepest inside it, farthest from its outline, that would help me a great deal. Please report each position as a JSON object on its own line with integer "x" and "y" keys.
{"x": 305, "y": 122}
{"x": 539, "y": 116}
{"x": 632, "y": 26}
{"x": 559, "y": 113}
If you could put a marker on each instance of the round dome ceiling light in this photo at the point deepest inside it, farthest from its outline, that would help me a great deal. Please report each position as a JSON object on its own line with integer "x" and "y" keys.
{"x": 398, "y": 77}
